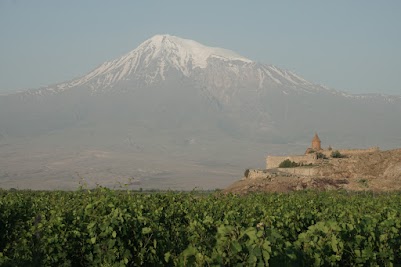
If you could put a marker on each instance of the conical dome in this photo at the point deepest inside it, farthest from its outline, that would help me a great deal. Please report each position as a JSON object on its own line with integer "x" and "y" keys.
{"x": 316, "y": 143}
{"x": 316, "y": 138}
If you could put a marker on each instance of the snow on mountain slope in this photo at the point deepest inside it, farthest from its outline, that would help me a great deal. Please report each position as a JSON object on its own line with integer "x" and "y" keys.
{"x": 160, "y": 52}
{"x": 188, "y": 51}
{"x": 163, "y": 57}
{"x": 151, "y": 61}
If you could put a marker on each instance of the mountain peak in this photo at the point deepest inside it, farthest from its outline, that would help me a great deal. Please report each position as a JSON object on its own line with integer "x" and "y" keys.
{"x": 165, "y": 56}
{"x": 151, "y": 59}
{"x": 188, "y": 50}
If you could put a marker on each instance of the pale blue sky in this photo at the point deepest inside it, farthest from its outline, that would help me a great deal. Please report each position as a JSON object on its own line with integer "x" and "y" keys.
{"x": 353, "y": 46}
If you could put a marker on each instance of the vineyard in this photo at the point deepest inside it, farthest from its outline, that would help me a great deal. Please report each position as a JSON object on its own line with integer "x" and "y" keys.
{"x": 104, "y": 227}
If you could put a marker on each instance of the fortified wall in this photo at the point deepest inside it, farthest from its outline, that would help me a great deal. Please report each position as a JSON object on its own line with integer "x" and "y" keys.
{"x": 302, "y": 171}
{"x": 359, "y": 151}
{"x": 349, "y": 152}
{"x": 254, "y": 174}
{"x": 274, "y": 161}
{"x": 270, "y": 174}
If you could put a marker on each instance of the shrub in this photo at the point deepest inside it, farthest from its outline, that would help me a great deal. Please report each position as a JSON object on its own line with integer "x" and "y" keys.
{"x": 246, "y": 173}
{"x": 320, "y": 155}
{"x": 363, "y": 182}
{"x": 337, "y": 154}
{"x": 288, "y": 164}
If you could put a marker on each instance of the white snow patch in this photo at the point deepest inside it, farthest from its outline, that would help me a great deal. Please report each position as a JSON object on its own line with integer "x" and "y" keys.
{"x": 283, "y": 74}
{"x": 261, "y": 78}
{"x": 181, "y": 54}
{"x": 190, "y": 50}
{"x": 161, "y": 69}
{"x": 300, "y": 78}
{"x": 288, "y": 77}
{"x": 272, "y": 77}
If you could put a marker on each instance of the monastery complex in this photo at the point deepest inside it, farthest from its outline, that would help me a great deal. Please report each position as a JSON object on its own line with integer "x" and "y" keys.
{"x": 315, "y": 154}
{"x": 325, "y": 168}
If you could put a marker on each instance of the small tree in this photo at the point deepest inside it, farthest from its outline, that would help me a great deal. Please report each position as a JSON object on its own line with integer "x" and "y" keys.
{"x": 320, "y": 155}
{"x": 288, "y": 164}
{"x": 337, "y": 154}
{"x": 246, "y": 173}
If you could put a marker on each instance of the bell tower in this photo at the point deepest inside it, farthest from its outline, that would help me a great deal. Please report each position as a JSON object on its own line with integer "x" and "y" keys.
{"x": 316, "y": 143}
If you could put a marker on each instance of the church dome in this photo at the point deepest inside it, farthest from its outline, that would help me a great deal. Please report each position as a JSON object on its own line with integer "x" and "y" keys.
{"x": 316, "y": 143}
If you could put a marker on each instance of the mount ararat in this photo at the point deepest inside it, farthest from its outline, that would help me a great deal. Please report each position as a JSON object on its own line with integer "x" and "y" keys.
{"x": 174, "y": 113}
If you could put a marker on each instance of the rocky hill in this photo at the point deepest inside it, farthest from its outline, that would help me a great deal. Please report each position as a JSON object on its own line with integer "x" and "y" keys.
{"x": 376, "y": 171}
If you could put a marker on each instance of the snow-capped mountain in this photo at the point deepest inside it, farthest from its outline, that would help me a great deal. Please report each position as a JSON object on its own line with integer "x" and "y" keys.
{"x": 163, "y": 56}
{"x": 261, "y": 94}
{"x": 172, "y": 97}
{"x": 152, "y": 59}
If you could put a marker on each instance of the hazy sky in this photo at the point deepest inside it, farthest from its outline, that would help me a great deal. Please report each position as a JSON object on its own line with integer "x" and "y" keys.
{"x": 353, "y": 46}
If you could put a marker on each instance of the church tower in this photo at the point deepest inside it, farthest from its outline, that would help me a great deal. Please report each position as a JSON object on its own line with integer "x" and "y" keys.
{"x": 316, "y": 144}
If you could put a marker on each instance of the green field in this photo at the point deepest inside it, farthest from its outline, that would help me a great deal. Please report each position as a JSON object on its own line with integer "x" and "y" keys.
{"x": 120, "y": 228}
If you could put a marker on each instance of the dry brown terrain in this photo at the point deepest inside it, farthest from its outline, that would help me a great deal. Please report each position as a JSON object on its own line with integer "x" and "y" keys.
{"x": 378, "y": 171}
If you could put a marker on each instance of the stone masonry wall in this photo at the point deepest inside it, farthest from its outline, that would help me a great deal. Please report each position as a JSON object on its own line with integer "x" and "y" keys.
{"x": 358, "y": 151}
{"x": 265, "y": 174}
{"x": 351, "y": 152}
{"x": 301, "y": 171}
{"x": 274, "y": 161}
{"x": 254, "y": 174}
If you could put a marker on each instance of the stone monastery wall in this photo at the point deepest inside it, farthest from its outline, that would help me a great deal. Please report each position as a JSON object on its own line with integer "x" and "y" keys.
{"x": 274, "y": 161}
{"x": 265, "y": 174}
{"x": 350, "y": 152}
{"x": 358, "y": 151}
{"x": 253, "y": 174}
{"x": 302, "y": 171}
